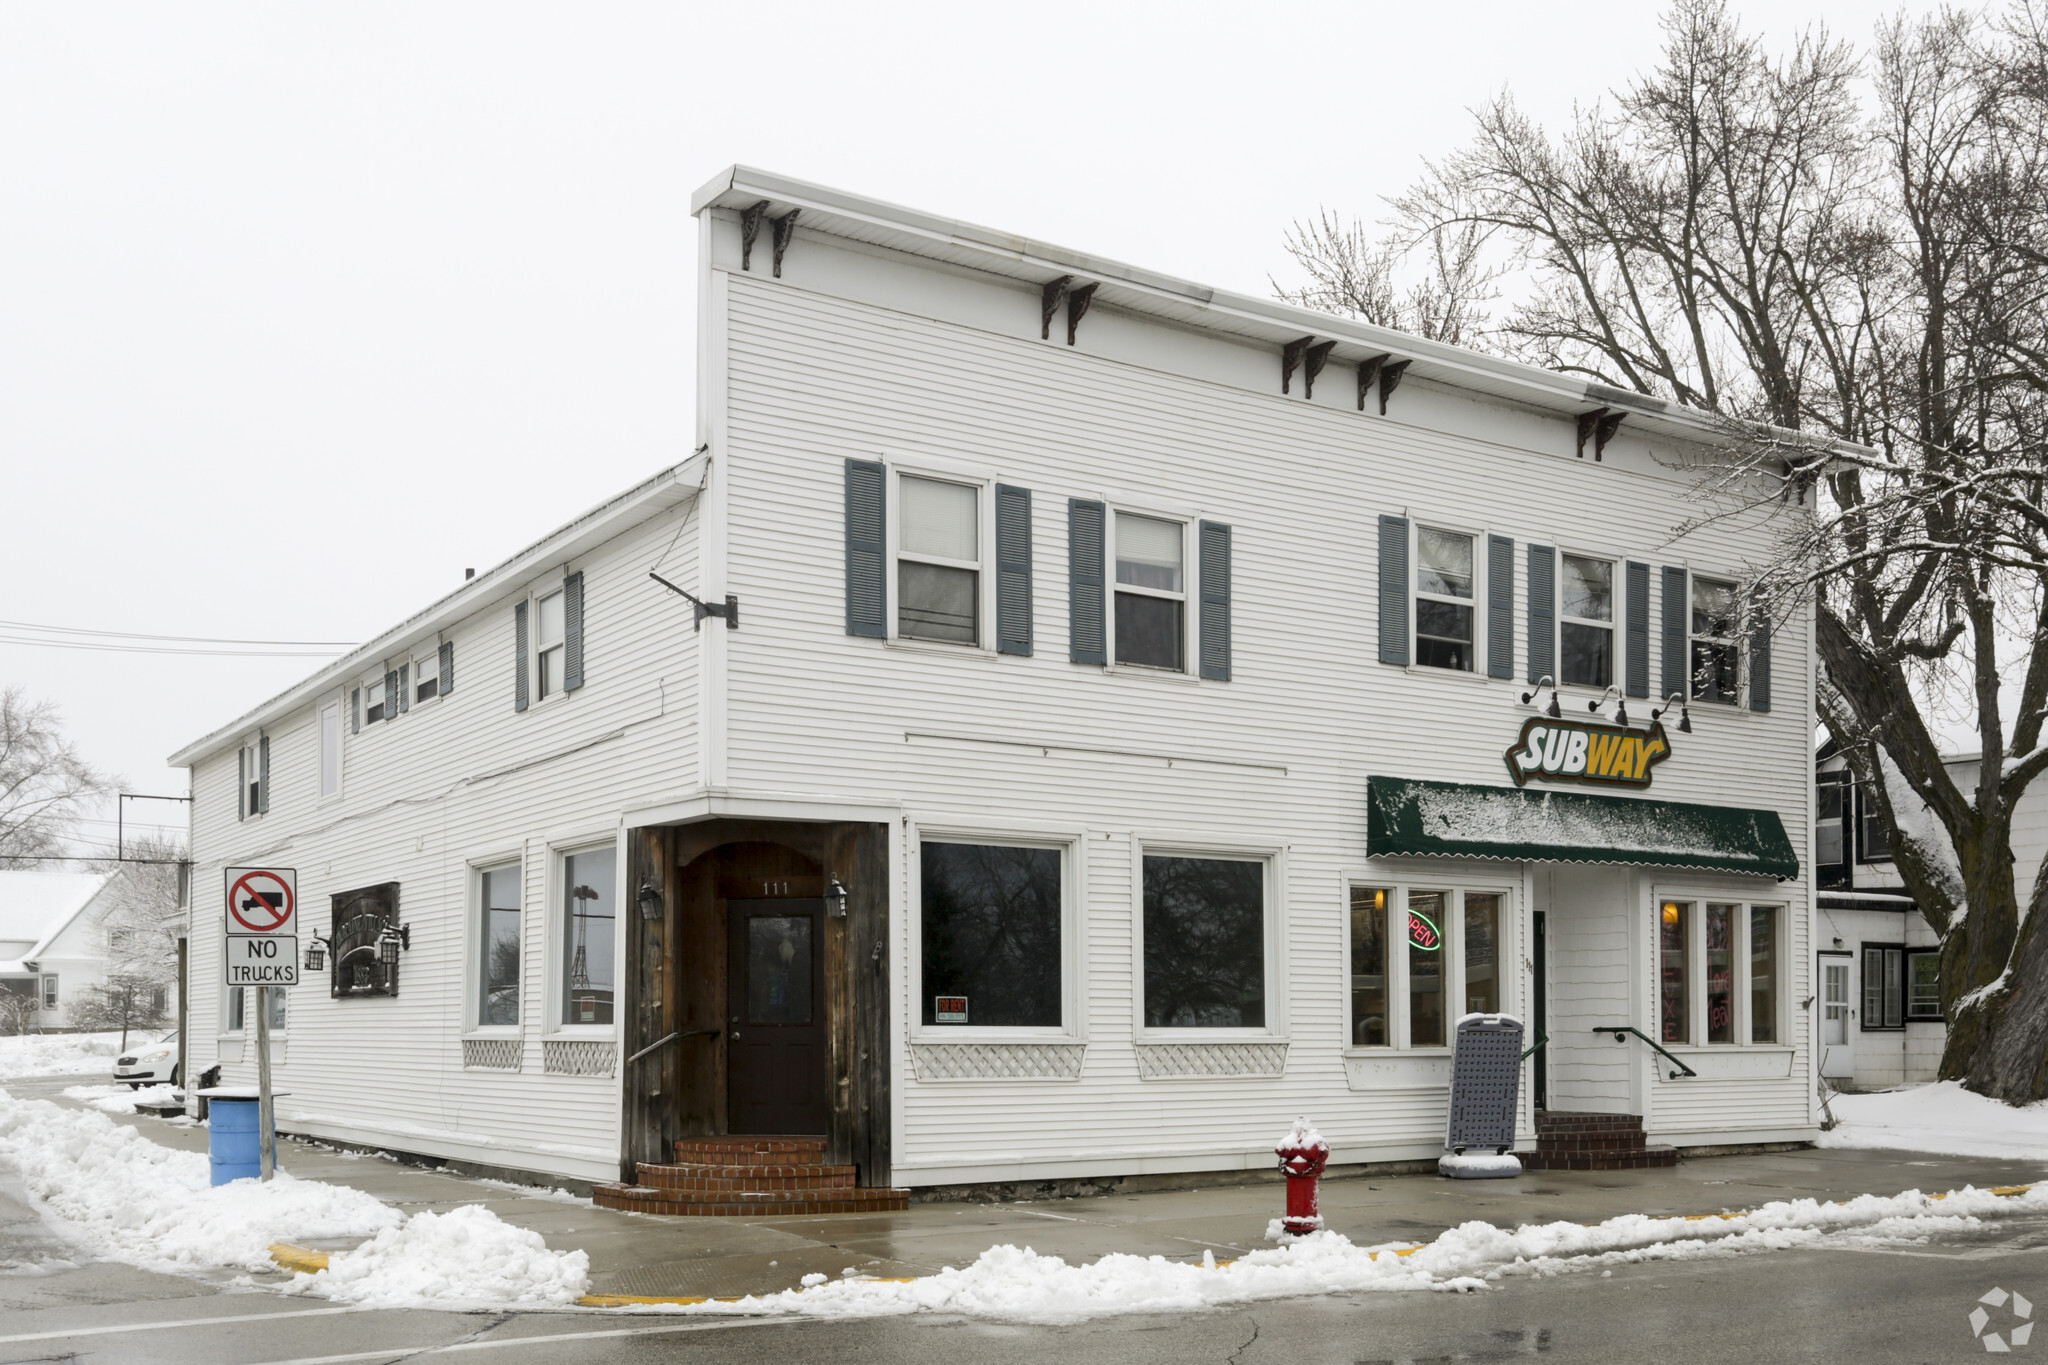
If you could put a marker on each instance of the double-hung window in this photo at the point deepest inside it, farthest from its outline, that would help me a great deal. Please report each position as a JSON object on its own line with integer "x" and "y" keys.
{"x": 1586, "y": 621}
{"x": 549, "y": 619}
{"x": 1923, "y": 983}
{"x": 938, "y": 561}
{"x": 374, "y": 700}
{"x": 50, "y": 991}
{"x": 240, "y": 1000}
{"x": 1443, "y": 599}
{"x": 426, "y": 674}
{"x": 498, "y": 936}
{"x": 1884, "y": 987}
{"x": 1718, "y": 969}
{"x": 1421, "y": 958}
{"x": 990, "y": 932}
{"x": 589, "y": 928}
{"x": 1716, "y": 654}
{"x": 1151, "y": 592}
{"x": 1205, "y": 942}
{"x": 1830, "y": 827}
{"x": 1873, "y": 839}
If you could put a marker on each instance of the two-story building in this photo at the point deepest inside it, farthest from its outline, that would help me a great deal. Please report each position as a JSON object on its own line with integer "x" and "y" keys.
{"x": 1061, "y": 723}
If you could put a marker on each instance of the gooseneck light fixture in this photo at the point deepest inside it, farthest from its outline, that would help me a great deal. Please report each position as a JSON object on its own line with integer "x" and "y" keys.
{"x": 316, "y": 954}
{"x": 1620, "y": 707}
{"x": 391, "y": 940}
{"x": 1684, "y": 715}
{"x": 1554, "y": 711}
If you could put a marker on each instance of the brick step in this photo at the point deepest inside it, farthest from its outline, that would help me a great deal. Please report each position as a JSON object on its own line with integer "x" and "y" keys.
{"x": 698, "y": 1176}
{"x": 1567, "y": 1121}
{"x": 1647, "y": 1159}
{"x": 751, "y": 1151}
{"x": 1590, "y": 1142}
{"x": 727, "y": 1204}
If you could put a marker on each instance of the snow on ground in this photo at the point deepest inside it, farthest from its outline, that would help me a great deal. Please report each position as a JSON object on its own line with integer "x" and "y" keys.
{"x": 1017, "y": 1284}
{"x": 124, "y": 1198}
{"x": 119, "y": 1099}
{"x": 1942, "y": 1117}
{"x": 58, "y": 1054}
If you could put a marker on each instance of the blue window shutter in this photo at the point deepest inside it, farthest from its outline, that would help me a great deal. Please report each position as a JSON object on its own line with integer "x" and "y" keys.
{"x": 404, "y": 687}
{"x": 1216, "y": 601}
{"x": 242, "y": 783}
{"x": 355, "y": 699}
{"x": 866, "y": 485}
{"x": 1394, "y": 591}
{"x": 519, "y": 656}
{"x": 1087, "y": 632}
{"x": 572, "y": 631}
{"x": 1636, "y": 673}
{"x": 1759, "y": 653}
{"x": 262, "y": 774}
{"x": 1013, "y": 570}
{"x": 1675, "y": 608}
{"x": 1500, "y": 607}
{"x": 1542, "y": 613}
{"x": 392, "y": 693}
{"x": 447, "y": 668}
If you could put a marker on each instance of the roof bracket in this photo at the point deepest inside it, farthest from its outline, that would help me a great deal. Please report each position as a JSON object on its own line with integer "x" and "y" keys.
{"x": 1598, "y": 426}
{"x": 785, "y": 228}
{"x": 1312, "y": 362}
{"x": 1390, "y": 379}
{"x": 1290, "y": 359}
{"x": 1078, "y": 299}
{"x": 1368, "y": 375}
{"x": 750, "y": 228}
{"x": 1050, "y": 298}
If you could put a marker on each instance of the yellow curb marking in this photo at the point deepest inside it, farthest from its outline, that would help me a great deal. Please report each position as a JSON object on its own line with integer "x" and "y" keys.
{"x": 305, "y": 1260}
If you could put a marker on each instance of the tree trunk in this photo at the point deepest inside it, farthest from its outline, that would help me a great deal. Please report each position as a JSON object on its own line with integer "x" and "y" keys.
{"x": 1998, "y": 1043}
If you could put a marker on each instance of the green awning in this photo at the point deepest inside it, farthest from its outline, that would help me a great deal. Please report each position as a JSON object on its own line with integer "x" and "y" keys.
{"x": 1454, "y": 819}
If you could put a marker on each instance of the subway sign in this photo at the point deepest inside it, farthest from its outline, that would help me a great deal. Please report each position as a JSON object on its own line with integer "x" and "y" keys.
{"x": 1586, "y": 751}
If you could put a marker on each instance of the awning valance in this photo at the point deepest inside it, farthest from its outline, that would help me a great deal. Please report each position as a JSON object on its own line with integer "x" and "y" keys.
{"x": 1453, "y": 819}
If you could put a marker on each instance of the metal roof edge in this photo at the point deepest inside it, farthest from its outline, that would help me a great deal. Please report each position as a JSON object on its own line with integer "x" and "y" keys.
{"x": 606, "y": 517}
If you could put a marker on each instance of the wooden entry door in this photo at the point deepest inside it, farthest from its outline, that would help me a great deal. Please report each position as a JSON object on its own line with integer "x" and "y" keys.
{"x": 775, "y": 1032}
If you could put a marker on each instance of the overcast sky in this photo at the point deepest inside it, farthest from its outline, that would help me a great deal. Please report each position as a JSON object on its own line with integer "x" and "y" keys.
{"x": 306, "y": 308}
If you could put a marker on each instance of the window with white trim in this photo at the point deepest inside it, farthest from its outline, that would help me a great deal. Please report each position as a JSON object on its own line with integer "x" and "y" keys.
{"x": 330, "y": 749}
{"x": 990, "y": 934}
{"x": 239, "y": 999}
{"x": 50, "y": 991}
{"x": 938, "y": 560}
{"x": 1421, "y": 957}
{"x": 1205, "y": 942}
{"x": 426, "y": 673}
{"x": 498, "y": 943}
{"x": 1923, "y": 983}
{"x": 549, "y": 653}
{"x": 1873, "y": 836}
{"x": 1830, "y": 822}
{"x": 374, "y": 700}
{"x": 1150, "y": 620}
{"x": 1585, "y": 621}
{"x": 1714, "y": 650}
{"x": 589, "y": 936}
{"x": 1444, "y": 604}
{"x": 1719, "y": 964}
{"x": 251, "y": 767}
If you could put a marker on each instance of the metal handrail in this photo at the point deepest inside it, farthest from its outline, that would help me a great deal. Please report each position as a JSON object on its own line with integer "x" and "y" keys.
{"x": 1618, "y": 1030}
{"x": 664, "y": 1042}
{"x": 1541, "y": 1039}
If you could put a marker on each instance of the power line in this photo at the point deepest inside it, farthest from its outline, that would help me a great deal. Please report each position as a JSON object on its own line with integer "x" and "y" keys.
{"x": 156, "y": 649}
{"x": 180, "y": 639}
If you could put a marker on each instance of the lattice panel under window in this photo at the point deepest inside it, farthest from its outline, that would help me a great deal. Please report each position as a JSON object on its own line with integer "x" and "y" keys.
{"x": 998, "y": 1061}
{"x": 578, "y": 1058}
{"x": 1163, "y": 1061}
{"x": 493, "y": 1054}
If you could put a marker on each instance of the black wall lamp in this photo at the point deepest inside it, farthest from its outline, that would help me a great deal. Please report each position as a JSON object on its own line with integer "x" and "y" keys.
{"x": 651, "y": 906}
{"x": 1620, "y": 706}
{"x": 835, "y": 899}
{"x": 1684, "y": 715}
{"x": 391, "y": 940}
{"x": 1554, "y": 711}
{"x": 316, "y": 954}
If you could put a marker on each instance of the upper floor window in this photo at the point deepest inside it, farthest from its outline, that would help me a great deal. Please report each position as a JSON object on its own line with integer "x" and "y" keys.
{"x": 1586, "y": 622}
{"x": 1873, "y": 838}
{"x": 938, "y": 561}
{"x": 253, "y": 762}
{"x": 1151, "y": 592}
{"x": 1830, "y": 820}
{"x": 1443, "y": 599}
{"x": 548, "y": 643}
{"x": 426, "y": 674}
{"x": 374, "y": 699}
{"x": 1715, "y": 652}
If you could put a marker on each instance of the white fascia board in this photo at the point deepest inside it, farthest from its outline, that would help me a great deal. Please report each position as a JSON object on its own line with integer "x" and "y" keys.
{"x": 670, "y": 488}
{"x": 1181, "y": 301}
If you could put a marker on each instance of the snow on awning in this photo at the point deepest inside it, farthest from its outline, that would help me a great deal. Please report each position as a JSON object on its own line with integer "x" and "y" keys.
{"x": 1454, "y": 819}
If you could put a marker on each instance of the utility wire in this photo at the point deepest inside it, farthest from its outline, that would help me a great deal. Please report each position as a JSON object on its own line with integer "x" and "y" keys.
{"x": 180, "y": 639}
{"x": 162, "y": 649}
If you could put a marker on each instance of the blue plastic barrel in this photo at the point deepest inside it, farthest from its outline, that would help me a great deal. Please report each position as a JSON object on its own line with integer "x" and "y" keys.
{"x": 234, "y": 1139}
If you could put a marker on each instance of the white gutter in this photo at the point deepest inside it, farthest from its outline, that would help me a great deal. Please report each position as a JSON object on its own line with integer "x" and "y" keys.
{"x": 670, "y": 488}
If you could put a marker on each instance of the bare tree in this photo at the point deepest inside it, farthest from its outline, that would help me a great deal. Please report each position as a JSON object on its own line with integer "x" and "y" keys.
{"x": 1441, "y": 296}
{"x": 119, "y": 1002}
{"x": 18, "y": 1007}
{"x": 44, "y": 784}
{"x": 1861, "y": 291}
{"x": 142, "y": 919}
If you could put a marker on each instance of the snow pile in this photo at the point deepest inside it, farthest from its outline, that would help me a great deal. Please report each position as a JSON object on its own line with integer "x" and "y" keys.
{"x": 468, "y": 1255}
{"x": 1478, "y": 1166}
{"x": 127, "y": 1199}
{"x": 57, "y": 1054}
{"x": 1302, "y": 1137}
{"x": 1019, "y": 1285}
{"x": 119, "y": 1099}
{"x": 1942, "y": 1117}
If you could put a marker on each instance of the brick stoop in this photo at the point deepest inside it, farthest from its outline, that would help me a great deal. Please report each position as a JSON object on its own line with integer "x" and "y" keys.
{"x": 737, "y": 1177}
{"x": 1568, "y": 1141}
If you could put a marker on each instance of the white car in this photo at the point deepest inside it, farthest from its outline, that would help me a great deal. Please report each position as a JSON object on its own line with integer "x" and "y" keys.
{"x": 149, "y": 1063}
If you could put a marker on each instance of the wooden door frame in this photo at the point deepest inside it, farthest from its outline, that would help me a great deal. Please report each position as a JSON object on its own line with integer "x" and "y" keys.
{"x": 855, "y": 959}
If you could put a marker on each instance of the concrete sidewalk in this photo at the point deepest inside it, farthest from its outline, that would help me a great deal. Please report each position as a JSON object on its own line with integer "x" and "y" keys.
{"x": 639, "y": 1254}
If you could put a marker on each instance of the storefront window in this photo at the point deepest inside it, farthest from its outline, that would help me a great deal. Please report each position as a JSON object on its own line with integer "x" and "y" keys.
{"x": 1674, "y": 933}
{"x": 991, "y": 935}
{"x": 590, "y": 917}
{"x": 1427, "y": 921}
{"x": 1205, "y": 943}
{"x": 1721, "y": 973}
{"x": 1369, "y": 1003}
{"x": 1763, "y": 974}
{"x": 498, "y": 970}
{"x": 1482, "y": 953}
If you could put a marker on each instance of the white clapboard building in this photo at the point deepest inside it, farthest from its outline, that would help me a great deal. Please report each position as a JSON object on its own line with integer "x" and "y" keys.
{"x": 1105, "y": 734}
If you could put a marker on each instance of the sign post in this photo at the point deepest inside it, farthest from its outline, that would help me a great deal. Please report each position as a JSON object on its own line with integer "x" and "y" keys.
{"x": 260, "y": 950}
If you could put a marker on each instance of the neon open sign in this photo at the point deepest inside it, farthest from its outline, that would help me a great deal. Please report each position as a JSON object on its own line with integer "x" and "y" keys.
{"x": 1422, "y": 933}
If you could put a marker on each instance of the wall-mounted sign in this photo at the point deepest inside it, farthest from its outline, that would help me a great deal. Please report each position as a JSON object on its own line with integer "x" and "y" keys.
{"x": 1423, "y": 933}
{"x": 1586, "y": 751}
{"x": 949, "y": 1009}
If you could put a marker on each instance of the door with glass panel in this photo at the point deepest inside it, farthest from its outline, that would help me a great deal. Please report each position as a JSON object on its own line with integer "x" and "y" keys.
{"x": 1837, "y": 1016}
{"x": 775, "y": 1030}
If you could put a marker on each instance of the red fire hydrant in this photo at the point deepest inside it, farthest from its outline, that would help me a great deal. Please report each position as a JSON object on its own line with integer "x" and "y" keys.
{"x": 1303, "y": 1155}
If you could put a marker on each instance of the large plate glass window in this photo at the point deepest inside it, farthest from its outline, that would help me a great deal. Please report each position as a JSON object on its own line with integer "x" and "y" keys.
{"x": 938, "y": 561}
{"x": 990, "y": 935}
{"x": 1428, "y": 970}
{"x": 1716, "y": 655}
{"x": 548, "y": 642}
{"x": 1371, "y": 1007}
{"x": 1586, "y": 621}
{"x": 1205, "y": 942}
{"x": 590, "y": 936}
{"x": 1481, "y": 937}
{"x": 498, "y": 896}
{"x": 1151, "y": 592}
{"x": 1763, "y": 974}
{"x": 1443, "y": 599}
{"x": 1674, "y": 971}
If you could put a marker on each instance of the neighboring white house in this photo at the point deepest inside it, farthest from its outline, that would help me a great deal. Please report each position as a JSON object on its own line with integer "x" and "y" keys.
{"x": 51, "y": 946}
{"x": 1113, "y": 733}
{"x": 1878, "y": 965}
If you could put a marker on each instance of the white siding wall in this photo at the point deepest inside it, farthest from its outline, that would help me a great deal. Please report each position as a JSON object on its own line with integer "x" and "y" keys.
{"x": 1587, "y": 918}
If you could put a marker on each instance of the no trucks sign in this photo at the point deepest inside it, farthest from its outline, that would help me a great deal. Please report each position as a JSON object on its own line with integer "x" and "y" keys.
{"x": 261, "y": 928}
